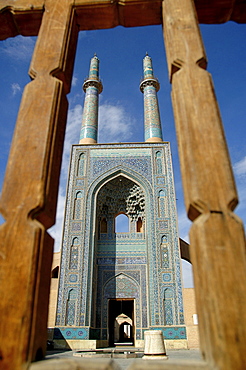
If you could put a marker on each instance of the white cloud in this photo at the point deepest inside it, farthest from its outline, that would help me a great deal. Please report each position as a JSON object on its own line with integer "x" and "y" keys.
{"x": 184, "y": 225}
{"x": 240, "y": 177}
{"x": 18, "y": 48}
{"x": 74, "y": 81}
{"x": 75, "y": 98}
{"x": 114, "y": 124}
{"x": 56, "y": 230}
{"x": 15, "y": 88}
{"x": 71, "y": 137}
{"x": 240, "y": 167}
{"x": 83, "y": 34}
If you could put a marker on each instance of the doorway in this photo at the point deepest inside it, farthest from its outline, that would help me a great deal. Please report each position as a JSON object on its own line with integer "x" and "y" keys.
{"x": 121, "y": 322}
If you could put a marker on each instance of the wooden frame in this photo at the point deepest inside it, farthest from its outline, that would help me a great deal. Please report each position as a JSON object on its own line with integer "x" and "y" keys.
{"x": 217, "y": 235}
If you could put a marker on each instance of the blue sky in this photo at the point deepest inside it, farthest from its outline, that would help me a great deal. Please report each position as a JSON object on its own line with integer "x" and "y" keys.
{"x": 121, "y": 116}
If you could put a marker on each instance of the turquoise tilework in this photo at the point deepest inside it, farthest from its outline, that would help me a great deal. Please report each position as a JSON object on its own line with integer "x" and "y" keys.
{"x": 159, "y": 249}
{"x": 172, "y": 332}
{"x": 78, "y": 333}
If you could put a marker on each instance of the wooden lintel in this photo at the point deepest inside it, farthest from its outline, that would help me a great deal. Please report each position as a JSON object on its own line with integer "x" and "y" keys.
{"x": 24, "y": 17}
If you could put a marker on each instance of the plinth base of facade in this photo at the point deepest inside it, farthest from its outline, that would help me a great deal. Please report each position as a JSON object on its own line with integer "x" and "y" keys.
{"x": 176, "y": 344}
{"x": 79, "y": 338}
{"x": 76, "y": 344}
{"x": 169, "y": 343}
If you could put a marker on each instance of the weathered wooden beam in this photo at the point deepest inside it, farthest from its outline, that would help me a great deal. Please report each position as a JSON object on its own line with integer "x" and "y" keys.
{"x": 108, "y": 14}
{"x": 24, "y": 17}
{"x": 92, "y": 15}
{"x": 217, "y": 237}
{"x": 29, "y": 194}
{"x": 220, "y": 11}
{"x": 20, "y": 18}
{"x": 134, "y": 13}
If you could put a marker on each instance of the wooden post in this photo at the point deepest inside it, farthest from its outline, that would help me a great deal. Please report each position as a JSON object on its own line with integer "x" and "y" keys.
{"x": 217, "y": 235}
{"x": 29, "y": 194}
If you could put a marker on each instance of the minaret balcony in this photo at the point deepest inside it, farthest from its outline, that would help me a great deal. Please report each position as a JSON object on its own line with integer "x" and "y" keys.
{"x": 95, "y": 83}
{"x": 149, "y": 82}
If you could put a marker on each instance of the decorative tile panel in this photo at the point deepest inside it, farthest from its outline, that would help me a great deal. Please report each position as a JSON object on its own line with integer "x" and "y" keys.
{"x": 172, "y": 332}
{"x": 149, "y": 262}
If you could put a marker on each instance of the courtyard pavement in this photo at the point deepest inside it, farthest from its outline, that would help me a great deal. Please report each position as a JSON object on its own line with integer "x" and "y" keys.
{"x": 124, "y": 363}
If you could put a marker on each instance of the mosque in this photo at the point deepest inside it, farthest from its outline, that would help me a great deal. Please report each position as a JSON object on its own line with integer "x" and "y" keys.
{"x": 114, "y": 283}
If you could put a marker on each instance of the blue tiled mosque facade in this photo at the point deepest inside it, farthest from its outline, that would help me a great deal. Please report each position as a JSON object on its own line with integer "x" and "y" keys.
{"x": 138, "y": 269}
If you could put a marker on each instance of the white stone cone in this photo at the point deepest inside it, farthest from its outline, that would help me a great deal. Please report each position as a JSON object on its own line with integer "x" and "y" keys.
{"x": 154, "y": 347}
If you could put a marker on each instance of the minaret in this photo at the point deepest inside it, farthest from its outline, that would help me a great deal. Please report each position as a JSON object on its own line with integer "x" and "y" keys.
{"x": 149, "y": 87}
{"x": 92, "y": 87}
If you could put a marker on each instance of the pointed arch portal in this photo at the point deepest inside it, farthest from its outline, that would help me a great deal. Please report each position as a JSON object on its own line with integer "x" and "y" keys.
{"x": 121, "y": 321}
{"x": 121, "y": 296}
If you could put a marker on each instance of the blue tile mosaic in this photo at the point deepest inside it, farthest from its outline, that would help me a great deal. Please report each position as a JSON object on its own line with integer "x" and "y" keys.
{"x": 135, "y": 265}
{"x": 73, "y": 278}
{"x": 166, "y": 277}
{"x": 172, "y": 332}
{"x": 71, "y": 333}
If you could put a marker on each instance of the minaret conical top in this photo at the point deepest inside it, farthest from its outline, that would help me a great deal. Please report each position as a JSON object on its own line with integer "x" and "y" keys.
{"x": 92, "y": 88}
{"x": 149, "y": 87}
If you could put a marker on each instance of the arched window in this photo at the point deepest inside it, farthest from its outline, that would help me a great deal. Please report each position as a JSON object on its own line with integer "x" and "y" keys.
{"x": 122, "y": 223}
{"x": 71, "y": 306}
{"x": 164, "y": 239}
{"x": 81, "y": 164}
{"x": 158, "y": 162}
{"x": 161, "y": 203}
{"x": 74, "y": 252}
{"x": 168, "y": 307}
{"x": 77, "y": 206}
{"x": 104, "y": 226}
{"x": 139, "y": 225}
